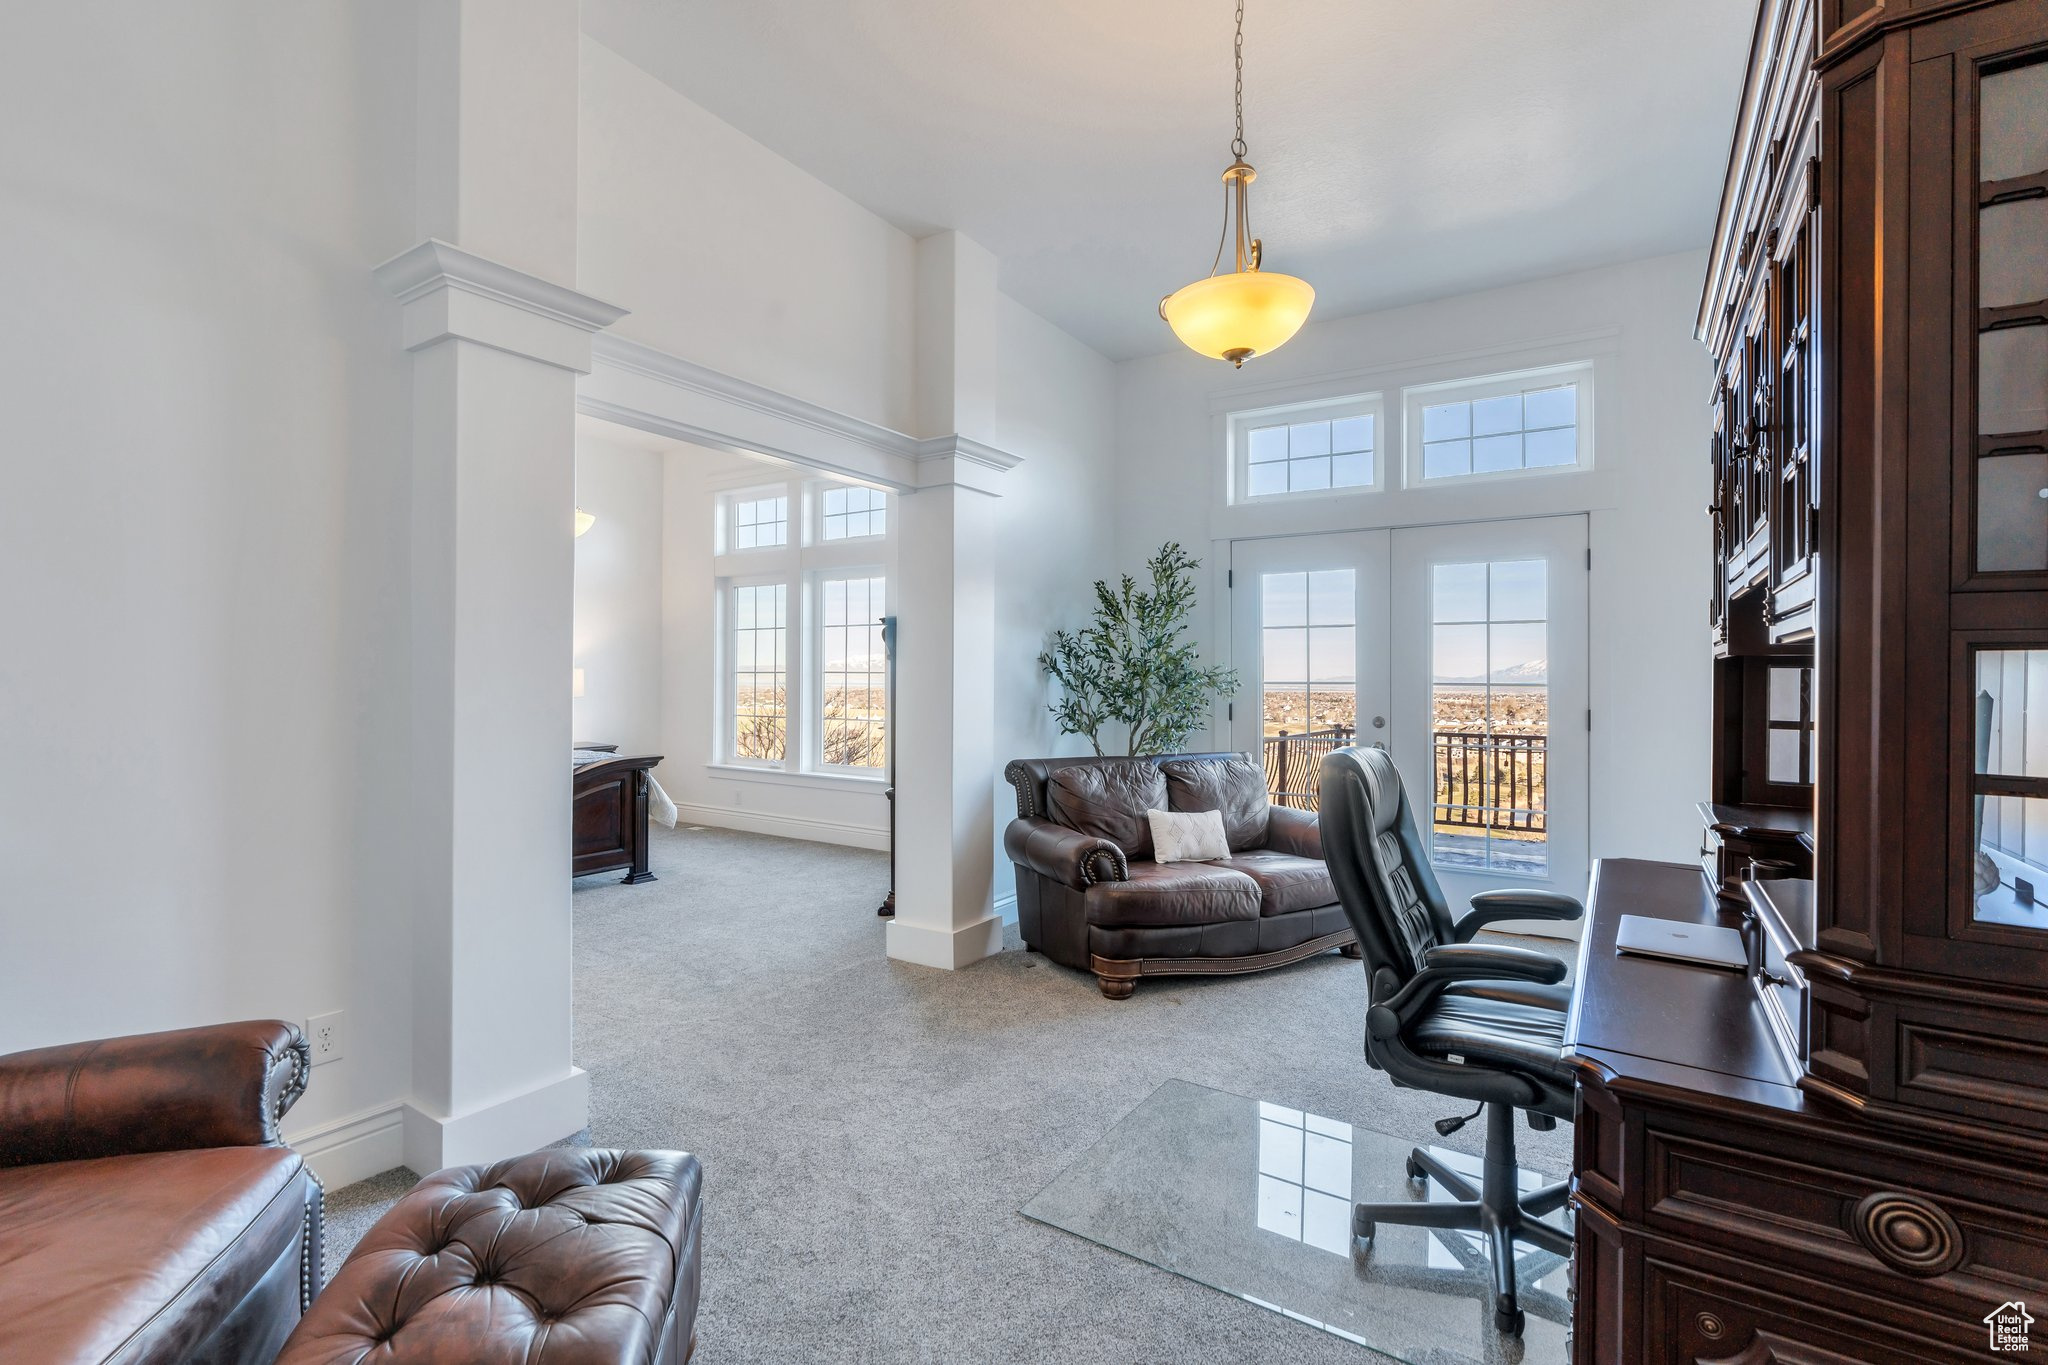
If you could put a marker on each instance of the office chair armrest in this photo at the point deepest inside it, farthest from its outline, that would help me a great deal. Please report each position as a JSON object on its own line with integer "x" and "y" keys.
{"x": 1451, "y": 964}
{"x": 1065, "y": 855}
{"x": 1491, "y": 907}
{"x": 1496, "y": 959}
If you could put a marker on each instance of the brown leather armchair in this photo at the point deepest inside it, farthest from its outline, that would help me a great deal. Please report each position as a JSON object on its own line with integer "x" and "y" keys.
{"x": 1090, "y": 896}
{"x": 149, "y": 1211}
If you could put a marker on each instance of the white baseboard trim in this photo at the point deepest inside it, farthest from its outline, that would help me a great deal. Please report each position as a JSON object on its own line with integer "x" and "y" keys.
{"x": 929, "y": 946}
{"x": 547, "y": 1113}
{"x": 345, "y": 1150}
{"x": 1006, "y": 908}
{"x": 839, "y": 832}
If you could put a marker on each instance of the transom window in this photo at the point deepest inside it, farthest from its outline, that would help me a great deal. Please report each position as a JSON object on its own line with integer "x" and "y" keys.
{"x": 1305, "y": 457}
{"x": 1538, "y": 422}
{"x": 1307, "y": 448}
{"x": 759, "y": 521}
{"x": 853, "y": 513}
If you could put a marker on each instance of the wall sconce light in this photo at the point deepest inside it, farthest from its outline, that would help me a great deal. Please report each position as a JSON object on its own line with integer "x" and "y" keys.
{"x": 575, "y": 682}
{"x": 584, "y": 521}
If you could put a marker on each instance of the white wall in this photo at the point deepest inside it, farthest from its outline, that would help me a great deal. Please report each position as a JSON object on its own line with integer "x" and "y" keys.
{"x": 732, "y": 257}
{"x": 203, "y": 549}
{"x": 617, "y": 638}
{"x": 1651, "y": 560}
{"x": 1056, "y": 526}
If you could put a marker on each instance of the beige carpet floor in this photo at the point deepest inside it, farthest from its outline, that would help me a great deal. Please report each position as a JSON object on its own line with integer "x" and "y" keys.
{"x": 869, "y": 1130}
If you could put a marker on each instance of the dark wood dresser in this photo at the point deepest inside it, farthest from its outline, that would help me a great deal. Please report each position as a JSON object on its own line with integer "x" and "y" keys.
{"x": 1841, "y": 1154}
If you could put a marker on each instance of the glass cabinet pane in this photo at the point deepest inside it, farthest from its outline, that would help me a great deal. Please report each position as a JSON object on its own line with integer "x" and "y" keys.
{"x": 2012, "y": 320}
{"x": 2011, "y": 818}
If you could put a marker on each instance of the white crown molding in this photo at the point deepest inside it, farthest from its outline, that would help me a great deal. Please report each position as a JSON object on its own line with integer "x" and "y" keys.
{"x": 446, "y": 292}
{"x": 726, "y": 412}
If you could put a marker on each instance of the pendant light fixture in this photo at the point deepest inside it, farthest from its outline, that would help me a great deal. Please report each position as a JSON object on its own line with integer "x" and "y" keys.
{"x": 1247, "y": 311}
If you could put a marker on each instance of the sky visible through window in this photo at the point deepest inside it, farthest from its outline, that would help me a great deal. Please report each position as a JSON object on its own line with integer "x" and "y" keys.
{"x": 1305, "y": 457}
{"x": 1535, "y": 429}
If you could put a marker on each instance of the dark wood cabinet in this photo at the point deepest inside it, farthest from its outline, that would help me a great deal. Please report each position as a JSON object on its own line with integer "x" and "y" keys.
{"x": 1843, "y": 1156}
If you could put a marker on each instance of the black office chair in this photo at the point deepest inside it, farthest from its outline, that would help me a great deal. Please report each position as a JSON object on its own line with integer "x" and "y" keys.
{"x": 1476, "y": 1021}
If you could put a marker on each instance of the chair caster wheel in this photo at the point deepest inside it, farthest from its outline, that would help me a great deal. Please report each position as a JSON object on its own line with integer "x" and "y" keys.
{"x": 1415, "y": 1171}
{"x": 1509, "y": 1323}
{"x": 1362, "y": 1228}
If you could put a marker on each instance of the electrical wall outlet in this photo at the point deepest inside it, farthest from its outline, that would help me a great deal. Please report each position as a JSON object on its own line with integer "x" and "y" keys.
{"x": 326, "y": 1033}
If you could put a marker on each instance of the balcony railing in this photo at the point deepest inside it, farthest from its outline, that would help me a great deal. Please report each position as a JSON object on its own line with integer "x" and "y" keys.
{"x": 1294, "y": 764}
{"x": 1481, "y": 781}
{"x": 1490, "y": 781}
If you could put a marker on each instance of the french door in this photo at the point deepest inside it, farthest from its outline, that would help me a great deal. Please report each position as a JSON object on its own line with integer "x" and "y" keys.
{"x": 1309, "y": 622}
{"x": 1461, "y": 650}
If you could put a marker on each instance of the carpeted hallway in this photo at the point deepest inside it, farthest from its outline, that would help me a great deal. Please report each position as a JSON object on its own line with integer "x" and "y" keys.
{"x": 869, "y": 1130}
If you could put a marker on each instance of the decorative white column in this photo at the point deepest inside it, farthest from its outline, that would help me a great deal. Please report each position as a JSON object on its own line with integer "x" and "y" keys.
{"x": 945, "y": 610}
{"x": 497, "y": 343}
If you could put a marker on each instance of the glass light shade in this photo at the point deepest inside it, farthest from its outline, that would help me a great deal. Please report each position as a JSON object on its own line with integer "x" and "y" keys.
{"x": 1237, "y": 316}
{"x": 584, "y": 520}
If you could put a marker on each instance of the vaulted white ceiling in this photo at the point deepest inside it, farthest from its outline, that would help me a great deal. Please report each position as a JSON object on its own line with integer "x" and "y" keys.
{"x": 1407, "y": 149}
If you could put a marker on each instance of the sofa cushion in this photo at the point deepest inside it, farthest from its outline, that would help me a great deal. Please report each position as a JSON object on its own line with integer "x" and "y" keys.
{"x": 140, "y": 1257}
{"x": 1233, "y": 786}
{"x": 1286, "y": 883}
{"x": 1169, "y": 894}
{"x": 1109, "y": 801}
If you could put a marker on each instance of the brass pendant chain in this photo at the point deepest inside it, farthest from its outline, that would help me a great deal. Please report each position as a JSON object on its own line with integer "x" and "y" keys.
{"x": 1237, "y": 147}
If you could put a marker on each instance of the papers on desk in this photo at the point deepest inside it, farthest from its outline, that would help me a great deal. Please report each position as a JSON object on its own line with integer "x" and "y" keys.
{"x": 1704, "y": 945}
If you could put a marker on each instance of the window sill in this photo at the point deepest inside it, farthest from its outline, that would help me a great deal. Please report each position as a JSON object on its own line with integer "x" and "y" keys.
{"x": 745, "y": 772}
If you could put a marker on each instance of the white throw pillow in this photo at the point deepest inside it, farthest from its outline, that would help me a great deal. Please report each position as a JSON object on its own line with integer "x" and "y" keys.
{"x": 1191, "y": 836}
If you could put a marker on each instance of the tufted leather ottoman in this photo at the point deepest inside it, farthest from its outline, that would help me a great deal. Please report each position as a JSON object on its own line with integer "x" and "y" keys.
{"x": 568, "y": 1256}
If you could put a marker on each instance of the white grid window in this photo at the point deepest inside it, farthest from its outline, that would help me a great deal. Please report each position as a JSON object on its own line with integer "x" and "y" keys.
{"x": 760, "y": 672}
{"x": 1307, "y": 457}
{"x": 851, "y": 513}
{"x": 760, "y": 522}
{"x": 1330, "y": 445}
{"x": 1534, "y": 423}
{"x": 853, "y": 700}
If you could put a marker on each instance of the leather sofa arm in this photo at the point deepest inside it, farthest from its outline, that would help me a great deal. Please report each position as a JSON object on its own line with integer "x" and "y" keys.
{"x": 1491, "y": 907}
{"x": 224, "y": 1085}
{"x": 1065, "y": 855}
{"x": 1298, "y": 832}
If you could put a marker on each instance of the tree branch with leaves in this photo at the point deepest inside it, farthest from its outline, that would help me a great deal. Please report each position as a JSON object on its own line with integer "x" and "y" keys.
{"x": 1131, "y": 665}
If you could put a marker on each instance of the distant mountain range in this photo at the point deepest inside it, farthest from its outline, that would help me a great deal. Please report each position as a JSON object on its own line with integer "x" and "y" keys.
{"x": 1532, "y": 672}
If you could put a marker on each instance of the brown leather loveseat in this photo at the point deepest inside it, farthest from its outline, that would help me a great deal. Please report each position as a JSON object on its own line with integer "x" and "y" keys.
{"x": 149, "y": 1211}
{"x": 1090, "y": 896}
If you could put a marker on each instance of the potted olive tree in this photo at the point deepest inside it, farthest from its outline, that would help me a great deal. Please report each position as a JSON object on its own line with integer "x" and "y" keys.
{"x": 1131, "y": 666}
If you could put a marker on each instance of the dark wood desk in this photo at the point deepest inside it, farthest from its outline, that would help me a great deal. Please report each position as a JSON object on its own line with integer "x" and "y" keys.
{"x": 609, "y": 817}
{"x": 1724, "y": 1214}
{"x": 1629, "y": 1011}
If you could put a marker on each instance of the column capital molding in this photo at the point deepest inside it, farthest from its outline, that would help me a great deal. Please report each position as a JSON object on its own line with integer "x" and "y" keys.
{"x": 961, "y": 461}
{"x": 446, "y": 292}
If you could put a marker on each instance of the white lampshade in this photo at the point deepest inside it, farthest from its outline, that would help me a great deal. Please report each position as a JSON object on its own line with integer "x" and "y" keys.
{"x": 575, "y": 682}
{"x": 584, "y": 520}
